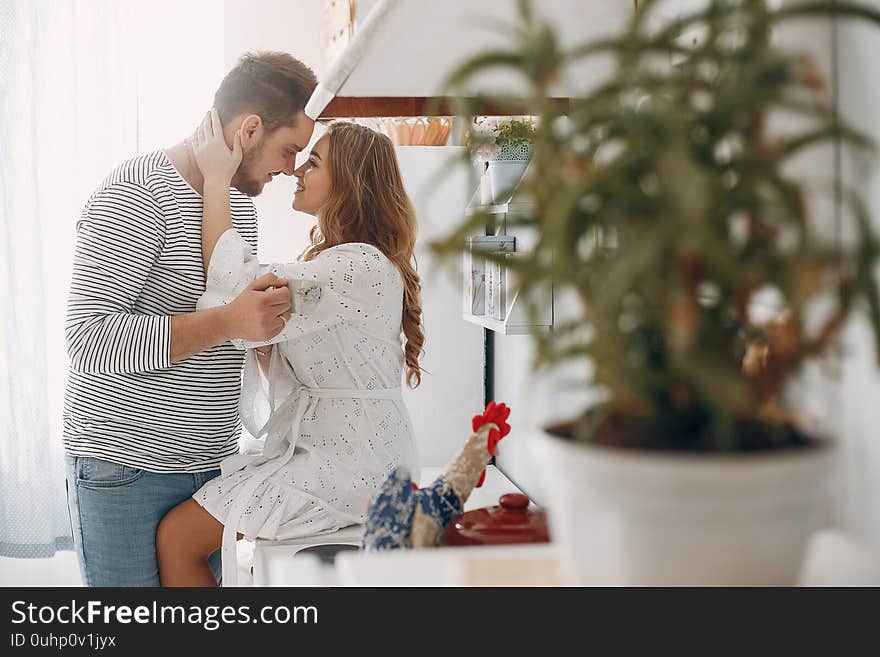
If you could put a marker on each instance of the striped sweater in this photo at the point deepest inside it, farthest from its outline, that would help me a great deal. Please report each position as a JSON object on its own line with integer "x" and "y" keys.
{"x": 138, "y": 261}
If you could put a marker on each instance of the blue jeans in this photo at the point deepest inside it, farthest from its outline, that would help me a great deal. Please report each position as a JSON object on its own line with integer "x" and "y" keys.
{"x": 115, "y": 511}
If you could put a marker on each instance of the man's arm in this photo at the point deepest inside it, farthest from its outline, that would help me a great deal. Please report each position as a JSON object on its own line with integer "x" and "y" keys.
{"x": 255, "y": 315}
{"x": 193, "y": 333}
{"x": 119, "y": 240}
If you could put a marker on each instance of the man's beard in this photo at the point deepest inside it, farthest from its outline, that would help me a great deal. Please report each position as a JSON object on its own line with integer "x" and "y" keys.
{"x": 244, "y": 179}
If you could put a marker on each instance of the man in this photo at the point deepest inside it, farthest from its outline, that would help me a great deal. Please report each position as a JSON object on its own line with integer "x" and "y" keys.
{"x": 151, "y": 406}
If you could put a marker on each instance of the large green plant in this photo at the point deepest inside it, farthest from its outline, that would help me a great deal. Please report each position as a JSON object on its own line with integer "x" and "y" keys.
{"x": 677, "y": 164}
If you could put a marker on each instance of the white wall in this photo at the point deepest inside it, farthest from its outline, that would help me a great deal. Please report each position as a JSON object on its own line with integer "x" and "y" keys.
{"x": 535, "y": 400}
{"x": 451, "y": 392}
{"x": 176, "y": 83}
{"x": 294, "y": 27}
{"x": 859, "y": 389}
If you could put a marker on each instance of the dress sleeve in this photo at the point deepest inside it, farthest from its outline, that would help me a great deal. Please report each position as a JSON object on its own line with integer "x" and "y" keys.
{"x": 336, "y": 286}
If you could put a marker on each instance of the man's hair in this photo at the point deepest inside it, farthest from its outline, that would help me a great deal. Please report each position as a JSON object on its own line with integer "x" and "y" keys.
{"x": 272, "y": 85}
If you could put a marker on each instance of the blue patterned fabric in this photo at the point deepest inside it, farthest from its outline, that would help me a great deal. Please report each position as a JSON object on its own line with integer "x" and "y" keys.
{"x": 439, "y": 501}
{"x": 389, "y": 521}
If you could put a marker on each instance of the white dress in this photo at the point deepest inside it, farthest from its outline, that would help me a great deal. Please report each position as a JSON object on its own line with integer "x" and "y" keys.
{"x": 330, "y": 420}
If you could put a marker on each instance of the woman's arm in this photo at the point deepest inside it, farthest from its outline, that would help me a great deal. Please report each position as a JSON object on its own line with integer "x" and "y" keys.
{"x": 215, "y": 219}
{"x": 218, "y": 164}
{"x": 346, "y": 283}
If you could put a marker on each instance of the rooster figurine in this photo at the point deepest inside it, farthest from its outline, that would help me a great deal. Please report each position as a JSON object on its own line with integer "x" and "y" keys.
{"x": 402, "y": 515}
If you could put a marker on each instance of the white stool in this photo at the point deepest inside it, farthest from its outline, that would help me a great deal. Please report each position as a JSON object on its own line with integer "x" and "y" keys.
{"x": 272, "y": 558}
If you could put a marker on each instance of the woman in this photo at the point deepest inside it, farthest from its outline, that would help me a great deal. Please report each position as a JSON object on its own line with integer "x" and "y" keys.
{"x": 323, "y": 394}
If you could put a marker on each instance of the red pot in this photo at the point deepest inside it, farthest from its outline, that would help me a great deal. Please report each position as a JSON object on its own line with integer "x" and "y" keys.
{"x": 512, "y": 521}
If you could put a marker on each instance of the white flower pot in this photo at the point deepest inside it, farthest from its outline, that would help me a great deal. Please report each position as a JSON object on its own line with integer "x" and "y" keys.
{"x": 625, "y": 517}
{"x": 505, "y": 168}
{"x": 503, "y": 177}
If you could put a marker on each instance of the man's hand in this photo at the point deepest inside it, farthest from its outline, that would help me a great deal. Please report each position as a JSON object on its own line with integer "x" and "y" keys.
{"x": 259, "y": 313}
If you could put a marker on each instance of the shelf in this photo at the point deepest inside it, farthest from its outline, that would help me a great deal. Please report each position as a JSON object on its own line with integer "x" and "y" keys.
{"x": 504, "y": 328}
{"x": 521, "y": 241}
{"x": 348, "y": 107}
{"x": 500, "y": 208}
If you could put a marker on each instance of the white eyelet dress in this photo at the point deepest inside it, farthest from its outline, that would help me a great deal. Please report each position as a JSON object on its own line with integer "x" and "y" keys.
{"x": 330, "y": 420}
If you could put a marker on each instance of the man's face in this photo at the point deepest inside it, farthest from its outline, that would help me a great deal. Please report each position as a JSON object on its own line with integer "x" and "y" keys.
{"x": 272, "y": 154}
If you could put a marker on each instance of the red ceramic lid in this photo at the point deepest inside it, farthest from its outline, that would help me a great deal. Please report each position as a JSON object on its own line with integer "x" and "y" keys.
{"x": 510, "y": 522}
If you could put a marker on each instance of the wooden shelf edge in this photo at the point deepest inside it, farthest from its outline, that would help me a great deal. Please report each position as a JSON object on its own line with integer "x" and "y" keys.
{"x": 343, "y": 107}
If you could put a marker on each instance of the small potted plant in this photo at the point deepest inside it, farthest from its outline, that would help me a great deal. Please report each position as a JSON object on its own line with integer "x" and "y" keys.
{"x": 690, "y": 469}
{"x": 506, "y": 146}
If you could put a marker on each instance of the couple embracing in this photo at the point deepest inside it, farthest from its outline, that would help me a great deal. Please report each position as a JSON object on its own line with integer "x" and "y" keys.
{"x": 176, "y": 335}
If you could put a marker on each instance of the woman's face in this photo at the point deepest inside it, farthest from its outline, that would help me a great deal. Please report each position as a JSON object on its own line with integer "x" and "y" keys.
{"x": 313, "y": 179}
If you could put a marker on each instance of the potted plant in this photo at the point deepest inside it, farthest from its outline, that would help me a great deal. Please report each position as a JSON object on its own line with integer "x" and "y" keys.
{"x": 690, "y": 469}
{"x": 506, "y": 146}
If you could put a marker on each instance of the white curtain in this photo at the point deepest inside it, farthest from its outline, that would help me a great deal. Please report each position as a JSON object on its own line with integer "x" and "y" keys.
{"x": 68, "y": 115}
